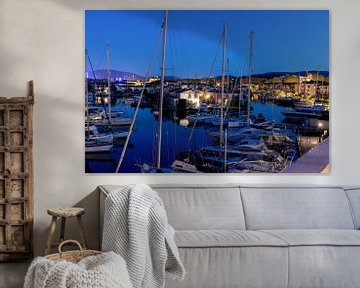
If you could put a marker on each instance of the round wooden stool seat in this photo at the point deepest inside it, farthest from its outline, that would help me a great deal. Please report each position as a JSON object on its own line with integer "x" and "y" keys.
{"x": 66, "y": 211}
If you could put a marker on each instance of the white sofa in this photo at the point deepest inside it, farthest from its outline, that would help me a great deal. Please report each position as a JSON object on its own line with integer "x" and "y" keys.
{"x": 235, "y": 236}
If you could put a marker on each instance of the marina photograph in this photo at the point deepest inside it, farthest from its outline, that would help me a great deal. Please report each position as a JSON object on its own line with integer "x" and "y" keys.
{"x": 207, "y": 91}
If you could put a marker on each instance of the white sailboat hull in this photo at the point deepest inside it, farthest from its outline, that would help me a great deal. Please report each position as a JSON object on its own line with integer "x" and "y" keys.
{"x": 98, "y": 148}
{"x": 120, "y": 135}
{"x": 182, "y": 166}
{"x": 115, "y": 122}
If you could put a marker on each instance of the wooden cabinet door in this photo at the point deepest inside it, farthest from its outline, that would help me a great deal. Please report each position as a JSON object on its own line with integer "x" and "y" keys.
{"x": 16, "y": 178}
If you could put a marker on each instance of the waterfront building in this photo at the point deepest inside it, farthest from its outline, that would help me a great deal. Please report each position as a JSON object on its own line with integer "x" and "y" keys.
{"x": 192, "y": 97}
{"x": 311, "y": 89}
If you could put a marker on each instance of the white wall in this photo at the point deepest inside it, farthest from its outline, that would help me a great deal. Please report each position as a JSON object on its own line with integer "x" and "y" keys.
{"x": 43, "y": 40}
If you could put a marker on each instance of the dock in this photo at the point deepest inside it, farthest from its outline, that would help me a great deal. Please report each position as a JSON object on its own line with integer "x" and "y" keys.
{"x": 316, "y": 160}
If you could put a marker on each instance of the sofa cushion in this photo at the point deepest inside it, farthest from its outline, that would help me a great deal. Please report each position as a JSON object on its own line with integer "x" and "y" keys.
{"x": 199, "y": 207}
{"x": 354, "y": 198}
{"x": 322, "y": 258}
{"x": 296, "y": 208}
{"x": 203, "y": 208}
{"x": 317, "y": 237}
{"x": 223, "y": 267}
{"x": 324, "y": 266}
{"x": 226, "y": 238}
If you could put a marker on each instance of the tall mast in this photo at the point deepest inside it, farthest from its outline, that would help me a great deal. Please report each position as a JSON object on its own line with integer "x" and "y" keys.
{"x": 249, "y": 75}
{"x": 223, "y": 85}
{"x": 163, "y": 59}
{"x": 108, "y": 78}
{"x": 240, "y": 93}
{"x": 87, "y": 96}
{"x": 225, "y": 150}
{"x": 228, "y": 75}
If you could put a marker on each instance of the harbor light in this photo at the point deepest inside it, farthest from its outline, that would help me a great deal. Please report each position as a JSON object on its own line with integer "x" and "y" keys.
{"x": 184, "y": 122}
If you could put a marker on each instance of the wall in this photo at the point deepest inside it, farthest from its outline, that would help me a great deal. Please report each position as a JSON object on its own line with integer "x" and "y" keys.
{"x": 43, "y": 40}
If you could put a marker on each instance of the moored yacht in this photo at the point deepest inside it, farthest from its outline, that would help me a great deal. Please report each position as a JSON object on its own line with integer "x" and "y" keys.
{"x": 93, "y": 147}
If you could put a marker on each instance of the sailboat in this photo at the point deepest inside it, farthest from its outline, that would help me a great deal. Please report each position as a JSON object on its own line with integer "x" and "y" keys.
{"x": 183, "y": 164}
{"x": 115, "y": 120}
{"x": 247, "y": 141}
{"x": 100, "y": 138}
{"x": 94, "y": 147}
{"x": 94, "y": 143}
{"x": 158, "y": 168}
{"x": 112, "y": 119}
{"x": 202, "y": 118}
{"x": 256, "y": 166}
{"x": 146, "y": 168}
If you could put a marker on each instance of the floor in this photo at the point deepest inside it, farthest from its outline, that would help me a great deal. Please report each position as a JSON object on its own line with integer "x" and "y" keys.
{"x": 12, "y": 274}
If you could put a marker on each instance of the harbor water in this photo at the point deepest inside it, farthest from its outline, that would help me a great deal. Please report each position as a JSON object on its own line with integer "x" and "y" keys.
{"x": 175, "y": 139}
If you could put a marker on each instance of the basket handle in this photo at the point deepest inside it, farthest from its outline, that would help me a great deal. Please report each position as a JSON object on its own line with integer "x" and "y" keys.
{"x": 69, "y": 241}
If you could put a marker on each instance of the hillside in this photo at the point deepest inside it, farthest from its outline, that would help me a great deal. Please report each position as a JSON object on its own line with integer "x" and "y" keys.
{"x": 102, "y": 74}
{"x": 277, "y": 77}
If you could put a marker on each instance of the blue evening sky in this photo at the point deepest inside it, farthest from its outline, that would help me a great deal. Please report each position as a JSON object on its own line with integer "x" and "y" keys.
{"x": 285, "y": 40}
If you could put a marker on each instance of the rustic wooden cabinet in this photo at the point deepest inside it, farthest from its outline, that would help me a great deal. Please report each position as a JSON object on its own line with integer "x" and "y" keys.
{"x": 16, "y": 177}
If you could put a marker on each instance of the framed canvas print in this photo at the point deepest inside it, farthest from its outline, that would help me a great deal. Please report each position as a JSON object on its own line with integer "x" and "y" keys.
{"x": 207, "y": 91}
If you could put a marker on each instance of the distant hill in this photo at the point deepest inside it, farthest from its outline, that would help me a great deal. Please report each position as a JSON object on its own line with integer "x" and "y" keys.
{"x": 102, "y": 74}
{"x": 270, "y": 75}
{"x": 278, "y": 74}
{"x": 171, "y": 78}
{"x": 115, "y": 74}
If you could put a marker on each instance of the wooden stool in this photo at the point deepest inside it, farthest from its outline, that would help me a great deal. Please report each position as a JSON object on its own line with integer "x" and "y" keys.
{"x": 64, "y": 213}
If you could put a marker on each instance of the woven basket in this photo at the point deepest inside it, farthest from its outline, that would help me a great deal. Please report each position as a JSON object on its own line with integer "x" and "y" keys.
{"x": 72, "y": 256}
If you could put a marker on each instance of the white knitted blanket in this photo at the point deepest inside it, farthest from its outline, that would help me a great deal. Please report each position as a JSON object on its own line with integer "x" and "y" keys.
{"x": 103, "y": 271}
{"x": 136, "y": 227}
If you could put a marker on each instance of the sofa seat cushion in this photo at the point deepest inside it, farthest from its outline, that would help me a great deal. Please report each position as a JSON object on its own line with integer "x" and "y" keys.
{"x": 233, "y": 267}
{"x": 317, "y": 237}
{"x": 323, "y": 258}
{"x": 225, "y": 238}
